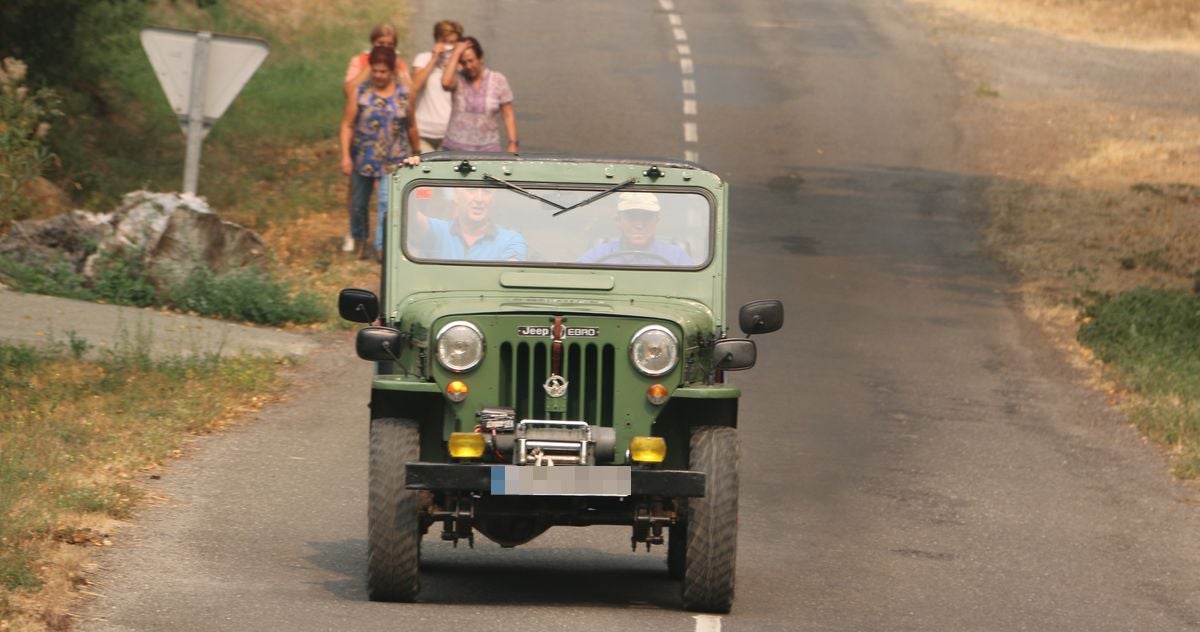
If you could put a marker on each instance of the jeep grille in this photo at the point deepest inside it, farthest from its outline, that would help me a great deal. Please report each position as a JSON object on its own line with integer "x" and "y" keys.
{"x": 589, "y": 369}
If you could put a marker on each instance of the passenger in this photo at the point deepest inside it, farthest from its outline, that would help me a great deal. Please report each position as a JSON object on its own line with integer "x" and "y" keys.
{"x": 434, "y": 101}
{"x": 378, "y": 132}
{"x": 470, "y": 234}
{"x": 637, "y": 220}
{"x": 479, "y": 95}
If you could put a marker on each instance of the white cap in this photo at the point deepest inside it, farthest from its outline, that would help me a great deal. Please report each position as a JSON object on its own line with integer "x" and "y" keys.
{"x": 638, "y": 201}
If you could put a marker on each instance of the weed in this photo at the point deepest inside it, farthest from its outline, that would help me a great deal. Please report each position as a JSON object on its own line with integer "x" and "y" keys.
{"x": 79, "y": 346}
{"x": 1152, "y": 339}
{"x": 984, "y": 90}
{"x": 73, "y": 429}
{"x": 247, "y": 294}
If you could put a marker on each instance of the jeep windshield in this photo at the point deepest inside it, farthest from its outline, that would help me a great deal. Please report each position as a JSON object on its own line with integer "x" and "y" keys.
{"x": 601, "y": 226}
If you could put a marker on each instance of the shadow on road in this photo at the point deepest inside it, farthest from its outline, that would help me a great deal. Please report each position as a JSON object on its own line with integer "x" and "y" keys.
{"x": 525, "y": 576}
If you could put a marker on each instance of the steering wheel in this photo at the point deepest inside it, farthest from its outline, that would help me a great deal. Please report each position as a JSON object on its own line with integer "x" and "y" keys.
{"x": 632, "y": 257}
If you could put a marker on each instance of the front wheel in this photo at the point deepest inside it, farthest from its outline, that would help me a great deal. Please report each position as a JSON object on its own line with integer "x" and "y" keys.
{"x": 393, "y": 527}
{"x": 712, "y": 522}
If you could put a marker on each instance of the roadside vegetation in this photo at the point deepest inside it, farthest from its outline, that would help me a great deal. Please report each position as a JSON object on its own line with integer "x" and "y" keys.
{"x": 1095, "y": 194}
{"x": 78, "y": 436}
{"x": 93, "y": 120}
{"x": 1151, "y": 340}
{"x": 83, "y": 121}
{"x": 250, "y": 294}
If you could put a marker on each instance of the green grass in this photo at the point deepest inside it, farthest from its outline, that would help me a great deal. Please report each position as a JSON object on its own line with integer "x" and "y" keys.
{"x": 1151, "y": 338}
{"x": 272, "y": 155}
{"x": 247, "y": 294}
{"x": 72, "y": 432}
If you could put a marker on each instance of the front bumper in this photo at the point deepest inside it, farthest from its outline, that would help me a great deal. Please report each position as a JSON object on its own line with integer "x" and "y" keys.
{"x": 563, "y": 480}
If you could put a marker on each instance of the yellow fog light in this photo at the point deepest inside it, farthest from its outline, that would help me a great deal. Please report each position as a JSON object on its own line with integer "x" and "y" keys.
{"x": 657, "y": 394}
{"x": 647, "y": 449}
{"x": 456, "y": 391}
{"x": 466, "y": 445}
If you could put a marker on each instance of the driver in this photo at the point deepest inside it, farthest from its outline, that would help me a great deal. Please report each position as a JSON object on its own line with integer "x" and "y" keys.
{"x": 470, "y": 234}
{"x": 637, "y": 219}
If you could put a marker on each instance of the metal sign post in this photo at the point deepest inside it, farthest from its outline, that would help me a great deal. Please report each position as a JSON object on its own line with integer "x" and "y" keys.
{"x": 200, "y": 73}
{"x": 195, "y": 115}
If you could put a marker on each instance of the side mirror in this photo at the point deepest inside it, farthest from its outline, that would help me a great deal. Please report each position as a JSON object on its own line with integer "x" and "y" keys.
{"x": 378, "y": 344}
{"x": 761, "y": 317}
{"x": 734, "y": 354}
{"x": 358, "y": 306}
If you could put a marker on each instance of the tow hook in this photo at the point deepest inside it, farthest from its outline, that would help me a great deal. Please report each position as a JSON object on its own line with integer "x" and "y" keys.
{"x": 457, "y": 520}
{"x": 648, "y": 522}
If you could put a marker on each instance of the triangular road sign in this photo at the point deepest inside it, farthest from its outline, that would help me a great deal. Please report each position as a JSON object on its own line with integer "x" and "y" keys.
{"x": 232, "y": 60}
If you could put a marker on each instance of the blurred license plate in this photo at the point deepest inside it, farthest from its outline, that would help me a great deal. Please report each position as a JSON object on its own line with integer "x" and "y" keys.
{"x": 560, "y": 480}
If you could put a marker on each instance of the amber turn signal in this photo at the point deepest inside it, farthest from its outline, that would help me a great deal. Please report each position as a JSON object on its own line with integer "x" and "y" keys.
{"x": 456, "y": 391}
{"x": 647, "y": 449}
{"x": 466, "y": 445}
{"x": 657, "y": 394}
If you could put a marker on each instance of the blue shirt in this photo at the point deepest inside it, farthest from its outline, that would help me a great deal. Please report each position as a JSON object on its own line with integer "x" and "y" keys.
{"x": 442, "y": 241}
{"x": 666, "y": 252}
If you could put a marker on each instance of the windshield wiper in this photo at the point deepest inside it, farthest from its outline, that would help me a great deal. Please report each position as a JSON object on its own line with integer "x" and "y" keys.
{"x": 599, "y": 195}
{"x": 526, "y": 192}
{"x": 561, "y": 209}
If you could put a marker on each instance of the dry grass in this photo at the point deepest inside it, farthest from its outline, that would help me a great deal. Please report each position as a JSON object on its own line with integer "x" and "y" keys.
{"x": 1140, "y": 24}
{"x": 76, "y": 438}
{"x": 1088, "y": 195}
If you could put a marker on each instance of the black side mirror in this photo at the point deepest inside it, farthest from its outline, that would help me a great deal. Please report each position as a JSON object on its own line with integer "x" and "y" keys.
{"x": 378, "y": 344}
{"x": 761, "y": 317}
{"x": 358, "y": 306}
{"x": 734, "y": 354}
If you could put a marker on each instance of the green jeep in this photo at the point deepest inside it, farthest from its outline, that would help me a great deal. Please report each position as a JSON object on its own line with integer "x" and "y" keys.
{"x": 551, "y": 343}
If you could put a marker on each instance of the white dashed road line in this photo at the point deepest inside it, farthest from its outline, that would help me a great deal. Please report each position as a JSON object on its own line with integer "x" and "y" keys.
{"x": 687, "y": 68}
{"x": 707, "y": 623}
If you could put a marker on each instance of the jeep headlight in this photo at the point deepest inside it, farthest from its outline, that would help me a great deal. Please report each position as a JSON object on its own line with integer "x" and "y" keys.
{"x": 459, "y": 346}
{"x": 654, "y": 350}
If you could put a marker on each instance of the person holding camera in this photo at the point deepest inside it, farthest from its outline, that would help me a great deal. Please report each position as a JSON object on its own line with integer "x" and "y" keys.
{"x": 434, "y": 101}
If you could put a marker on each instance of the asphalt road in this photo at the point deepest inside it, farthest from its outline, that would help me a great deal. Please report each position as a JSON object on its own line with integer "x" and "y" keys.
{"x": 915, "y": 457}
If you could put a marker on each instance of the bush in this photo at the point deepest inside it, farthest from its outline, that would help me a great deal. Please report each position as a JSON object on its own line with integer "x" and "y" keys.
{"x": 248, "y": 294}
{"x": 119, "y": 279}
{"x": 24, "y": 123}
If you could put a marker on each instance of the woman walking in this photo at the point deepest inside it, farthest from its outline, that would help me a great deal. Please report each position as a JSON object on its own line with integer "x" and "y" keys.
{"x": 433, "y": 101}
{"x": 479, "y": 95}
{"x": 378, "y": 132}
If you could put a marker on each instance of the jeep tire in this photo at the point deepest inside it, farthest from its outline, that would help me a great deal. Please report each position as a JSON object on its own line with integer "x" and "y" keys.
{"x": 393, "y": 527}
{"x": 712, "y": 522}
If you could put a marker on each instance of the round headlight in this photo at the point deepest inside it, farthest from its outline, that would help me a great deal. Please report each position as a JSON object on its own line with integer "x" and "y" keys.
{"x": 459, "y": 346}
{"x": 654, "y": 350}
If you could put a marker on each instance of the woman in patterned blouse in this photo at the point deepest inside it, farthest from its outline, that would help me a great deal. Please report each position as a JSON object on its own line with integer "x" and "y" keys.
{"x": 378, "y": 132}
{"x": 479, "y": 95}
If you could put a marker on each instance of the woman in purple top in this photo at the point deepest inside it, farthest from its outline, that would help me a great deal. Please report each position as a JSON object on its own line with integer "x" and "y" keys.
{"x": 479, "y": 95}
